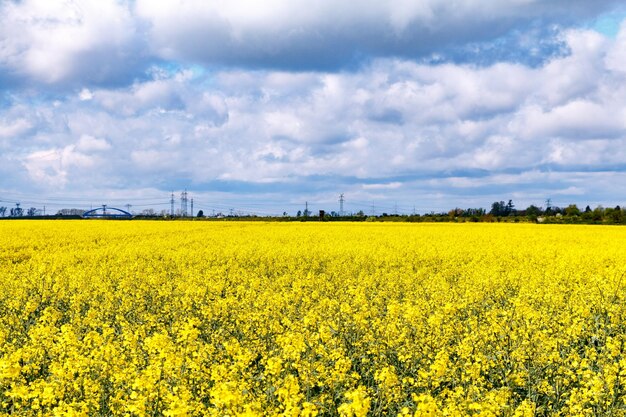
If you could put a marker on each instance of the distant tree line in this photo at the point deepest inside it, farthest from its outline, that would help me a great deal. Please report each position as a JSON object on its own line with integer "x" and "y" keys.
{"x": 554, "y": 214}
{"x": 506, "y": 212}
{"x": 500, "y": 211}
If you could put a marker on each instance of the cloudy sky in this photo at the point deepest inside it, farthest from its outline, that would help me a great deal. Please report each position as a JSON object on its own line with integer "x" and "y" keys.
{"x": 260, "y": 106}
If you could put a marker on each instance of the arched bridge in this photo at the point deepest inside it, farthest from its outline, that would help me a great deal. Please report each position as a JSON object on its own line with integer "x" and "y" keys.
{"x": 107, "y": 212}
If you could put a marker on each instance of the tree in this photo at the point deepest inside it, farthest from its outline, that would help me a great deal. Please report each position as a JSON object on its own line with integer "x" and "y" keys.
{"x": 3, "y": 211}
{"x": 473, "y": 212}
{"x": 31, "y": 212}
{"x": 498, "y": 208}
{"x": 299, "y": 213}
{"x": 455, "y": 212}
{"x": 510, "y": 208}
{"x": 572, "y": 210}
{"x": 533, "y": 211}
{"x": 598, "y": 213}
{"x": 618, "y": 215}
{"x": 200, "y": 213}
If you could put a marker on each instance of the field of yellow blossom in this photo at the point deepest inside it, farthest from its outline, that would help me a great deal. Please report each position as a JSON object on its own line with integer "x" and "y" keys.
{"x": 132, "y": 318}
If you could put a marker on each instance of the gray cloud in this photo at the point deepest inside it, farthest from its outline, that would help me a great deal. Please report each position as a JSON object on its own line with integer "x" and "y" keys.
{"x": 329, "y": 34}
{"x": 91, "y": 43}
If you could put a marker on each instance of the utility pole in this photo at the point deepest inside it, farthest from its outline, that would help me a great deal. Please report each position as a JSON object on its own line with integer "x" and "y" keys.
{"x": 341, "y": 200}
{"x": 306, "y": 209}
{"x": 395, "y": 209}
{"x": 548, "y": 204}
{"x": 128, "y": 206}
{"x": 172, "y": 205}
{"x": 192, "y": 208}
{"x": 373, "y": 209}
{"x": 183, "y": 204}
{"x": 44, "y": 210}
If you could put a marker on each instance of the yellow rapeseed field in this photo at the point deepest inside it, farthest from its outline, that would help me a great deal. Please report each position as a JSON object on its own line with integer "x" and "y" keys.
{"x": 102, "y": 318}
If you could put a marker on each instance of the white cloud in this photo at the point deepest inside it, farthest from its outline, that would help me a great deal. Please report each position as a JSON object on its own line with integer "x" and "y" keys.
{"x": 385, "y": 186}
{"x": 569, "y": 191}
{"x": 153, "y": 160}
{"x": 85, "y": 94}
{"x": 53, "y": 167}
{"x": 52, "y": 42}
{"x": 14, "y": 128}
{"x": 388, "y": 127}
{"x": 88, "y": 143}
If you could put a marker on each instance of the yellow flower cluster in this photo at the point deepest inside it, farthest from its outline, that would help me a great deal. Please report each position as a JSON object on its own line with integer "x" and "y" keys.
{"x": 113, "y": 318}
